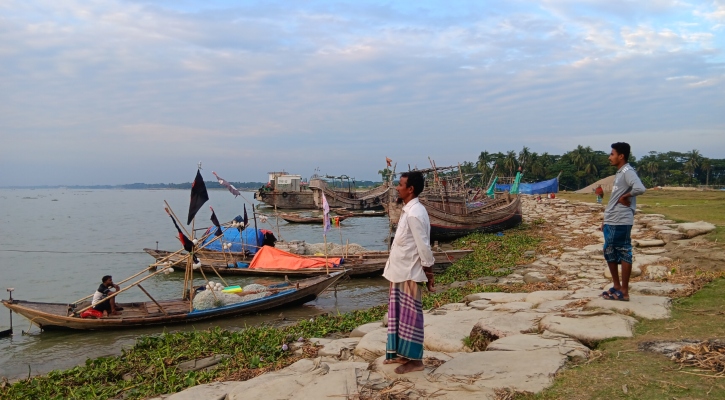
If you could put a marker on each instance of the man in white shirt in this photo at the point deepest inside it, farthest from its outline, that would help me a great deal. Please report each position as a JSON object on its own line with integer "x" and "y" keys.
{"x": 409, "y": 266}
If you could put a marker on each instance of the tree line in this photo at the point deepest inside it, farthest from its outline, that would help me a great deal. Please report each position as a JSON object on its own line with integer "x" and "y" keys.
{"x": 583, "y": 166}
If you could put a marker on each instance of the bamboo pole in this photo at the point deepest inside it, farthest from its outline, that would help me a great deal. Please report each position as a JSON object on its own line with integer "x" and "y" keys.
{"x": 327, "y": 266}
{"x": 207, "y": 282}
{"x": 177, "y": 218}
{"x": 152, "y": 299}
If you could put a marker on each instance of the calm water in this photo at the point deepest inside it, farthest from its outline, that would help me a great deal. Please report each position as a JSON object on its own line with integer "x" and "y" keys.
{"x": 55, "y": 244}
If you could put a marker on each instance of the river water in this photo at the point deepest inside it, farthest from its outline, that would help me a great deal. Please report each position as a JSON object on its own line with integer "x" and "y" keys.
{"x": 56, "y": 244}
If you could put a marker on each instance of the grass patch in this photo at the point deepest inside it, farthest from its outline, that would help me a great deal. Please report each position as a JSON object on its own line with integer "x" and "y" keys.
{"x": 649, "y": 375}
{"x": 149, "y": 368}
{"x": 680, "y": 206}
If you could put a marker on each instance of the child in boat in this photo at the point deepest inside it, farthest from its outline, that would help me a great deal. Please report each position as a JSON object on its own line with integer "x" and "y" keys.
{"x": 103, "y": 291}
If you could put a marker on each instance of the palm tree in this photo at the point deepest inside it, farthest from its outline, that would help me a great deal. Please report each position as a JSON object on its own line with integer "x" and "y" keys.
{"x": 693, "y": 161}
{"x": 483, "y": 164}
{"x": 578, "y": 157}
{"x": 652, "y": 167}
{"x": 706, "y": 164}
{"x": 510, "y": 162}
{"x": 524, "y": 156}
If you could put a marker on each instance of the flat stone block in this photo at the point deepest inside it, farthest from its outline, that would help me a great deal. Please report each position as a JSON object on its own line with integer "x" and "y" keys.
{"x": 496, "y": 297}
{"x": 648, "y": 307}
{"x": 590, "y": 329}
{"x": 649, "y": 243}
{"x": 363, "y": 330}
{"x": 513, "y": 306}
{"x": 547, "y": 295}
{"x": 531, "y": 371}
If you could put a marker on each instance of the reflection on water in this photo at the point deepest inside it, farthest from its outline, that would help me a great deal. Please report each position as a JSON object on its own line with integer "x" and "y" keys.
{"x": 56, "y": 244}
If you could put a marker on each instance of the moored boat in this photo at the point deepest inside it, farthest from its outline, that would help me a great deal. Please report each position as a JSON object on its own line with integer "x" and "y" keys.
{"x": 64, "y": 316}
{"x": 358, "y": 265}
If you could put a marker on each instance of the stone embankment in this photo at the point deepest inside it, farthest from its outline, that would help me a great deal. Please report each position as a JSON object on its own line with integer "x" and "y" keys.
{"x": 521, "y": 340}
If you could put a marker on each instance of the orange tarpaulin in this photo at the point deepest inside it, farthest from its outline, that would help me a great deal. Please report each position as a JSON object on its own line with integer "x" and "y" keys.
{"x": 270, "y": 258}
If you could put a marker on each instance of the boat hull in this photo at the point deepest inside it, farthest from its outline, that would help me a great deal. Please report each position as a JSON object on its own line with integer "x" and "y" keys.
{"x": 302, "y": 200}
{"x": 449, "y": 220}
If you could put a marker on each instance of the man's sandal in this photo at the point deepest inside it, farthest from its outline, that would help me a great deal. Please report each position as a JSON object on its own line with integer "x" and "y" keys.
{"x": 617, "y": 295}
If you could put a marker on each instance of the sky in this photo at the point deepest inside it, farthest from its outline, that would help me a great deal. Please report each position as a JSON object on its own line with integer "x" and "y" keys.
{"x": 122, "y": 91}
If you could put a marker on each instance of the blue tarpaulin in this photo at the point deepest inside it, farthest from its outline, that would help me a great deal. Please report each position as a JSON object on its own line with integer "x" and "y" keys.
{"x": 240, "y": 241}
{"x": 544, "y": 187}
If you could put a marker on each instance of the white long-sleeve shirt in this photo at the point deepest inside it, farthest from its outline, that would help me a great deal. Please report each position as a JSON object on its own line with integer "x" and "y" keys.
{"x": 410, "y": 251}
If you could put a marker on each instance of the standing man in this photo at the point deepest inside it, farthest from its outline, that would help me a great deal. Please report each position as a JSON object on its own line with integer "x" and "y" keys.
{"x": 618, "y": 221}
{"x": 600, "y": 193}
{"x": 410, "y": 265}
{"x": 108, "y": 307}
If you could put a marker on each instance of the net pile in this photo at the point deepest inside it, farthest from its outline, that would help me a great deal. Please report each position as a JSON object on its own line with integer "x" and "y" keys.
{"x": 205, "y": 299}
{"x": 333, "y": 249}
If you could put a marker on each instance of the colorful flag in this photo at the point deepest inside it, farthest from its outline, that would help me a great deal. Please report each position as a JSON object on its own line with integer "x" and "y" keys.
{"x": 228, "y": 185}
{"x": 326, "y": 215}
{"x": 215, "y": 221}
{"x": 389, "y": 161}
{"x": 336, "y": 221}
{"x": 199, "y": 196}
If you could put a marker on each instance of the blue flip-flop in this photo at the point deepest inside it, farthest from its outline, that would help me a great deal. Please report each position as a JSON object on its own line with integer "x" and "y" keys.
{"x": 608, "y": 294}
{"x": 617, "y": 295}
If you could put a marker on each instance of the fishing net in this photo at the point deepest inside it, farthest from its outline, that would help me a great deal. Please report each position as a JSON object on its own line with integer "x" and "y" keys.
{"x": 333, "y": 249}
{"x": 205, "y": 300}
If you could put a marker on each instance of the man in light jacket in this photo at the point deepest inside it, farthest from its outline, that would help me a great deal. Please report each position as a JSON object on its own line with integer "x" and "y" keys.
{"x": 618, "y": 221}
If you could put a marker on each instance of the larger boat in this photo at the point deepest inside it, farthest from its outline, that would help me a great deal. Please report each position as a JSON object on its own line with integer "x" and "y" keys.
{"x": 285, "y": 190}
{"x": 456, "y": 210}
{"x": 348, "y": 197}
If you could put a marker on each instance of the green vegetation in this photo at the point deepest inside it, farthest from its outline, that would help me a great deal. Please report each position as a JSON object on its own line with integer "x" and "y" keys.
{"x": 491, "y": 253}
{"x": 150, "y": 367}
{"x": 583, "y": 166}
{"x": 649, "y": 375}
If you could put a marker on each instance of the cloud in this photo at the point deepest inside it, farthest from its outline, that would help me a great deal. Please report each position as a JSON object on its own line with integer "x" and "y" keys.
{"x": 137, "y": 91}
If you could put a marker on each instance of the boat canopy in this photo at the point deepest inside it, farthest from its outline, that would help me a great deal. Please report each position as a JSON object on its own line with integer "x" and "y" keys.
{"x": 241, "y": 241}
{"x": 272, "y": 258}
{"x": 543, "y": 187}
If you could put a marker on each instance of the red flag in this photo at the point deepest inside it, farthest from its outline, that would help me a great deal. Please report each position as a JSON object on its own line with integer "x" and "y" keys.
{"x": 215, "y": 221}
{"x": 389, "y": 161}
{"x": 199, "y": 196}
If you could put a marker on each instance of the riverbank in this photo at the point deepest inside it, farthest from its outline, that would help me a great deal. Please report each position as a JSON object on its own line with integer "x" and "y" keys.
{"x": 551, "y": 281}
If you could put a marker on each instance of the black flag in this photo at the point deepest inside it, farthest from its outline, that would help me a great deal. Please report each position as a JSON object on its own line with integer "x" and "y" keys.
{"x": 199, "y": 196}
{"x": 246, "y": 220}
{"x": 215, "y": 221}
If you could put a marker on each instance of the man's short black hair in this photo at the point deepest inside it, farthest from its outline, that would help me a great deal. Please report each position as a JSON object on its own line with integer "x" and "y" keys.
{"x": 416, "y": 180}
{"x": 105, "y": 278}
{"x": 623, "y": 149}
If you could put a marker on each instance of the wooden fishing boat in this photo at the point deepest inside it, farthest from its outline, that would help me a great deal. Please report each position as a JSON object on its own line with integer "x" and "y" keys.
{"x": 358, "y": 265}
{"x": 62, "y": 316}
{"x": 298, "y": 219}
{"x": 372, "y": 199}
{"x": 452, "y": 211}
